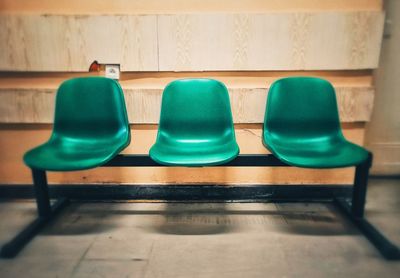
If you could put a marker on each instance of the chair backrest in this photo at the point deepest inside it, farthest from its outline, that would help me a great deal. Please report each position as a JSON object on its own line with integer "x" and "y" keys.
{"x": 301, "y": 107}
{"x": 195, "y": 109}
{"x": 92, "y": 107}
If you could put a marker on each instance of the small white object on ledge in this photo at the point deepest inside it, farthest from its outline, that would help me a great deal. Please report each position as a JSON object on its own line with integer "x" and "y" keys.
{"x": 112, "y": 71}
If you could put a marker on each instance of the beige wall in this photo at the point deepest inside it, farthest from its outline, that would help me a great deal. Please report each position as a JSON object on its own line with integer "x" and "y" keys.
{"x": 333, "y": 39}
{"x": 383, "y": 132}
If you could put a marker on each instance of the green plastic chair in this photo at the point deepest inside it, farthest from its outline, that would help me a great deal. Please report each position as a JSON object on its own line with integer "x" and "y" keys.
{"x": 90, "y": 126}
{"x": 302, "y": 127}
{"x": 196, "y": 127}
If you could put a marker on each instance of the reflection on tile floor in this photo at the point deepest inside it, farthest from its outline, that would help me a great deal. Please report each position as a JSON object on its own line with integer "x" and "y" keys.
{"x": 203, "y": 240}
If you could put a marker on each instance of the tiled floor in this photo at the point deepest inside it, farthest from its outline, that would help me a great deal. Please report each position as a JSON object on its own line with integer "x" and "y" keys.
{"x": 203, "y": 240}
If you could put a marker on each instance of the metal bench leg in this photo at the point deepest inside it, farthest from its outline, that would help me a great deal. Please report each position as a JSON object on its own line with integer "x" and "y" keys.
{"x": 355, "y": 213}
{"x": 46, "y": 213}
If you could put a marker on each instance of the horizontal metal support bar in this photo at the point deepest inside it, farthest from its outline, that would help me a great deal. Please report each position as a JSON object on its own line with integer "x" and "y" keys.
{"x": 210, "y": 193}
{"x": 243, "y": 160}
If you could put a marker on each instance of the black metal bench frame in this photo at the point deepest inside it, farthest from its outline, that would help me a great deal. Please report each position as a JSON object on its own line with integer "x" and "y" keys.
{"x": 353, "y": 209}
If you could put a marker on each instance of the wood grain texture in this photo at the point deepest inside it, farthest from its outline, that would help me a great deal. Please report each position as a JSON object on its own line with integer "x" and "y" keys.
{"x": 15, "y": 140}
{"x": 36, "y": 104}
{"x": 270, "y": 41}
{"x": 31, "y": 42}
{"x": 287, "y": 40}
{"x": 179, "y": 6}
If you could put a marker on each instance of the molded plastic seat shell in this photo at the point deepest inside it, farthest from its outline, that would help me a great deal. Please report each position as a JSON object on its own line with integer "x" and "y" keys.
{"x": 196, "y": 127}
{"x": 90, "y": 126}
{"x": 302, "y": 127}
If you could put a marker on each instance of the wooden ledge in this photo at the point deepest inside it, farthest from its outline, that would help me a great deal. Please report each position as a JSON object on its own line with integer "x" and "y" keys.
{"x": 158, "y": 80}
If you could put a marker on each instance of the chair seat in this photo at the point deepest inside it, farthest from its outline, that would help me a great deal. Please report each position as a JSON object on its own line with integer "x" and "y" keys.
{"x": 194, "y": 154}
{"x": 196, "y": 127}
{"x": 72, "y": 155}
{"x": 317, "y": 153}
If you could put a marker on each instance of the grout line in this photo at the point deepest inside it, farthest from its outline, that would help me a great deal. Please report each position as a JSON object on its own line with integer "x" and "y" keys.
{"x": 83, "y": 257}
{"x": 146, "y": 267}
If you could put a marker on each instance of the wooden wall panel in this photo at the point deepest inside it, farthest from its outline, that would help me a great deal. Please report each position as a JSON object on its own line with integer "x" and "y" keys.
{"x": 36, "y": 105}
{"x": 192, "y": 42}
{"x": 273, "y": 41}
{"x": 31, "y": 42}
{"x": 19, "y": 106}
{"x": 15, "y": 140}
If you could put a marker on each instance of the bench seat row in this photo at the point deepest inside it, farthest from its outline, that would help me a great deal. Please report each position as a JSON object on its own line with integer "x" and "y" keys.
{"x": 91, "y": 126}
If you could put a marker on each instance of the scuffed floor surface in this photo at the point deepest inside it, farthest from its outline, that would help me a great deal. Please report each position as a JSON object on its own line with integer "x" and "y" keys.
{"x": 203, "y": 240}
